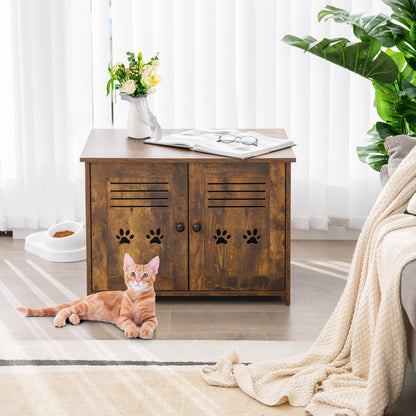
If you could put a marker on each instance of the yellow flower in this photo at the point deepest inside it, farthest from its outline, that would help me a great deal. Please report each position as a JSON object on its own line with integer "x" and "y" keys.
{"x": 149, "y": 78}
{"x": 156, "y": 79}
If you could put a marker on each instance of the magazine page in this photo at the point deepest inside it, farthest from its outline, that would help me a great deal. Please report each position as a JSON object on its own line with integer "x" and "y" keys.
{"x": 202, "y": 137}
{"x": 230, "y": 142}
{"x": 243, "y": 144}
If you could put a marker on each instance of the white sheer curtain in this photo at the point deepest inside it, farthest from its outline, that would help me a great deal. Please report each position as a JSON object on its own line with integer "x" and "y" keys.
{"x": 46, "y": 111}
{"x": 222, "y": 63}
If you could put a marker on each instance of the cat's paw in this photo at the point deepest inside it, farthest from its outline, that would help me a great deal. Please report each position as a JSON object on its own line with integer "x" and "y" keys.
{"x": 132, "y": 332}
{"x": 74, "y": 319}
{"x": 59, "y": 322}
{"x": 146, "y": 333}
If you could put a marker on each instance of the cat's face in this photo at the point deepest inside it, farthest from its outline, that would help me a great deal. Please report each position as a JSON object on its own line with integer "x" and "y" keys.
{"x": 140, "y": 277}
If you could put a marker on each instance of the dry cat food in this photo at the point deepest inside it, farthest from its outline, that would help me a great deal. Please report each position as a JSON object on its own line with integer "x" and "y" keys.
{"x": 61, "y": 234}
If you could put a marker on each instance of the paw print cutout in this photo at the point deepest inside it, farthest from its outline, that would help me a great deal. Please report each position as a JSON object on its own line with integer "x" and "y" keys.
{"x": 252, "y": 237}
{"x": 221, "y": 237}
{"x": 124, "y": 238}
{"x": 155, "y": 237}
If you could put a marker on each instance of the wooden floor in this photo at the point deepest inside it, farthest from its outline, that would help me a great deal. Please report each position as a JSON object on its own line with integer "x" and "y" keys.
{"x": 319, "y": 270}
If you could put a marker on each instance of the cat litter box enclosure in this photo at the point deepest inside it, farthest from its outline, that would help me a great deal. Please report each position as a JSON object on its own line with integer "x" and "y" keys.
{"x": 220, "y": 226}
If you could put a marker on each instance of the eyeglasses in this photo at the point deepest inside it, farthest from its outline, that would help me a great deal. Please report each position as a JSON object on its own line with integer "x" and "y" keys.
{"x": 230, "y": 138}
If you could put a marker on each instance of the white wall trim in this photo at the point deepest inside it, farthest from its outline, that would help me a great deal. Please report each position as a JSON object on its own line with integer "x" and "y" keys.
{"x": 22, "y": 233}
{"x": 333, "y": 233}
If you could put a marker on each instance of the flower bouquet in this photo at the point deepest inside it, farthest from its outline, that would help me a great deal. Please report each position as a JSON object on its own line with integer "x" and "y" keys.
{"x": 134, "y": 83}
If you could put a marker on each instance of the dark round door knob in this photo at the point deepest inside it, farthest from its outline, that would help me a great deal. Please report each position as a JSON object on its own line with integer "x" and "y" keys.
{"x": 180, "y": 227}
{"x": 196, "y": 228}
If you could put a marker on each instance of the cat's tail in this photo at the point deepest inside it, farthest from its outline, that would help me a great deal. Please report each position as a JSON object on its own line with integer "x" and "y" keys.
{"x": 44, "y": 311}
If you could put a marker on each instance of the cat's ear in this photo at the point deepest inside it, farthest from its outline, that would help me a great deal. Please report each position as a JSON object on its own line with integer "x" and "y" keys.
{"x": 128, "y": 262}
{"x": 154, "y": 265}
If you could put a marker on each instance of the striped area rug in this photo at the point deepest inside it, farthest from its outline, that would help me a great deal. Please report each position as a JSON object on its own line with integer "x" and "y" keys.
{"x": 119, "y": 377}
{"x": 127, "y": 392}
{"x": 46, "y": 355}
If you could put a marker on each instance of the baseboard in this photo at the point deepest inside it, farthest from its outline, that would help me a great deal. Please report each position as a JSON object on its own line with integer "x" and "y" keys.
{"x": 333, "y": 233}
{"x": 22, "y": 233}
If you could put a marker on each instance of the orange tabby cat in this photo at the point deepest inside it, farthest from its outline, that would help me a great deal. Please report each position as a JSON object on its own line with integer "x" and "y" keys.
{"x": 129, "y": 310}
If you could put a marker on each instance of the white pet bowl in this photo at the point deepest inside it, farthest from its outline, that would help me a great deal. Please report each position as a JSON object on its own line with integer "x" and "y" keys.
{"x": 64, "y": 249}
{"x": 72, "y": 242}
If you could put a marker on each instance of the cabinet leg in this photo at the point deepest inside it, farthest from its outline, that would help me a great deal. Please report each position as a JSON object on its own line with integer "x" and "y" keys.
{"x": 287, "y": 299}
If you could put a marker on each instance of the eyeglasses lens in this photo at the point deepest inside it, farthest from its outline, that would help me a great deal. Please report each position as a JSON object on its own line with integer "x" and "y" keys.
{"x": 227, "y": 138}
{"x": 248, "y": 140}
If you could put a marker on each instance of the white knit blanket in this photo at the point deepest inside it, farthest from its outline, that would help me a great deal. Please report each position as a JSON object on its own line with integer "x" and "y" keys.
{"x": 357, "y": 364}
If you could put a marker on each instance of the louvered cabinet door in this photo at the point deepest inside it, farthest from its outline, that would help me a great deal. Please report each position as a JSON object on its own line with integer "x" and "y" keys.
{"x": 136, "y": 208}
{"x": 240, "y": 213}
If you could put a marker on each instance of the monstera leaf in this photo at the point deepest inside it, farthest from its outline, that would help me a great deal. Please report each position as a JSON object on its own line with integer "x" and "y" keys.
{"x": 372, "y": 151}
{"x": 379, "y": 26}
{"x": 384, "y": 130}
{"x": 394, "y": 101}
{"x": 404, "y": 11}
{"x": 364, "y": 58}
{"x": 382, "y": 27}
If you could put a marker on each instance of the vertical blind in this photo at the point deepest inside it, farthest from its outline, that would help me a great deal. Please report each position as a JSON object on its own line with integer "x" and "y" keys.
{"x": 223, "y": 65}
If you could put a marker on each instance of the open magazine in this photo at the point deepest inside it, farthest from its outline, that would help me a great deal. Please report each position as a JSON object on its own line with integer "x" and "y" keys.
{"x": 210, "y": 141}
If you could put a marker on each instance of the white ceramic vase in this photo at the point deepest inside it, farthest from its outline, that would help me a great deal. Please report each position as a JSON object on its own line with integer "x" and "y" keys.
{"x": 141, "y": 122}
{"x": 136, "y": 126}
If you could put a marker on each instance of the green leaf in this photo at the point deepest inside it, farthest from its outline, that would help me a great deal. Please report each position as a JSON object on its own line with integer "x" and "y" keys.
{"x": 372, "y": 151}
{"x": 339, "y": 15}
{"x": 364, "y": 58}
{"x": 406, "y": 47}
{"x": 386, "y": 98}
{"x": 404, "y": 10}
{"x": 379, "y": 26}
{"x": 376, "y": 161}
{"x": 409, "y": 89}
{"x": 398, "y": 58}
{"x": 384, "y": 130}
{"x": 382, "y": 27}
{"x": 392, "y": 99}
{"x": 412, "y": 62}
{"x": 109, "y": 83}
{"x": 406, "y": 108}
{"x": 412, "y": 32}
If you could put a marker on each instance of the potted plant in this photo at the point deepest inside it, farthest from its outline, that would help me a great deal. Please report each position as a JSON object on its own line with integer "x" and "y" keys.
{"x": 386, "y": 55}
{"x": 134, "y": 83}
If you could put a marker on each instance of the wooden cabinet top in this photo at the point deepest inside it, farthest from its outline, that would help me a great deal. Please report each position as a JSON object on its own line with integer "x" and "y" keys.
{"x": 106, "y": 145}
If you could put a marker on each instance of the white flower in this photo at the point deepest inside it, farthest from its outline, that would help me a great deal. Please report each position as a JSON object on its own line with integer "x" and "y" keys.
{"x": 146, "y": 81}
{"x": 149, "y": 78}
{"x": 146, "y": 71}
{"x": 128, "y": 87}
{"x": 151, "y": 90}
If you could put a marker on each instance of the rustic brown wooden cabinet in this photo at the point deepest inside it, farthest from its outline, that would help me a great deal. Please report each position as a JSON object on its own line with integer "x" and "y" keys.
{"x": 221, "y": 226}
